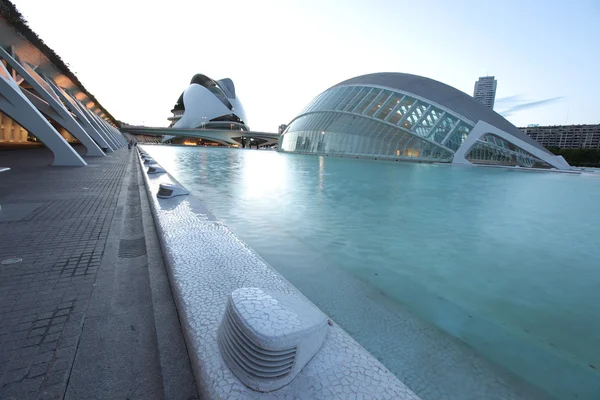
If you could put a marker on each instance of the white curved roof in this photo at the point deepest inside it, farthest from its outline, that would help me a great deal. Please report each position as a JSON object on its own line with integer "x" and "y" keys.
{"x": 444, "y": 95}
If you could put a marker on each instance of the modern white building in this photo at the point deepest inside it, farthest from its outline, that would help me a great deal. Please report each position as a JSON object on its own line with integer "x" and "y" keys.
{"x": 407, "y": 117}
{"x": 485, "y": 90}
{"x": 209, "y": 104}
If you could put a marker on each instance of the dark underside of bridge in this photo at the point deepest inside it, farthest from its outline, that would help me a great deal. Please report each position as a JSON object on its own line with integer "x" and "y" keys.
{"x": 243, "y": 142}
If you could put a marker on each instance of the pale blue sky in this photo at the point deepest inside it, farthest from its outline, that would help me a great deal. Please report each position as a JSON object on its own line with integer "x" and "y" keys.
{"x": 137, "y": 57}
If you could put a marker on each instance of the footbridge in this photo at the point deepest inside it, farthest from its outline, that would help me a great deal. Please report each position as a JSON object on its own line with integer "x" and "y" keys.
{"x": 227, "y": 137}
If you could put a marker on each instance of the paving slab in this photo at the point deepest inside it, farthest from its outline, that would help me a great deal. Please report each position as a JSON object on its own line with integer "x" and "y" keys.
{"x": 65, "y": 224}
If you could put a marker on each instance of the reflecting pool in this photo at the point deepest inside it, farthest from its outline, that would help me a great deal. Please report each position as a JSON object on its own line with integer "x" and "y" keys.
{"x": 500, "y": 267}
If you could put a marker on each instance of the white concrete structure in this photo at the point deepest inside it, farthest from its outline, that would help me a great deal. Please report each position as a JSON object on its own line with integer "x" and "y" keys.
{"x": 408, "y": 117}
{"x": 209, "y": 104}
{"x": 74, "y": 107}
{"x": 41, "y": 98}
{"x": 485, "y": 90}
{"x": 16, "y": 105}
{"x": 483, "y": 128}
{"x": 48, "y": 102}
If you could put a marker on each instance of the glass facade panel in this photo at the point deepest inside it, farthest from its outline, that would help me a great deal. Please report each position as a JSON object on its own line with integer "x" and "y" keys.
{"x": 413, "y": 147}
{"x": 400, "y": 143}
{"x": 377, "y": 103}
{"x": 401, "y": 110}
{"x": 345, "y": 134}
{"x": 480, "y": 152}
{"x": 492, "y": 149}
{"x": 458, "y": 136}
{"x": 341, "y": 96}
{"x": 359, "y": 96}
{"x": 310, "y": 106}
{"x": 417, "y": 112}
{"x": 317, "y": 103}
{"x": 389, "y": 106}
{"x": 331, "y": 100}
{"x": 442, "y": 128}
{"x": 364, "y": 103}
{"x": 424, "y": 127}
{"x": 348, "y": 99}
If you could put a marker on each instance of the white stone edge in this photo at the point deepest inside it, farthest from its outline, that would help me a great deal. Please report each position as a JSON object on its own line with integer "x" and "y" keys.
{"x": 482, "y": 128}
{"x": 181, "y": 304}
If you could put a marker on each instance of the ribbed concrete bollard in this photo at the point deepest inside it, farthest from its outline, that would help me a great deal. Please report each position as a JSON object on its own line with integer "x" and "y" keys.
{"x": 156, "y": 169}
{"x": 166, "y": 191}
{"x": 267, "y": 338}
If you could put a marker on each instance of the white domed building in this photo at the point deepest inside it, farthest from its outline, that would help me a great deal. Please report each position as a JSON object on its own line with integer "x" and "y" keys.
{"x": 209, "y": 104}
{"x": 407, "y": 117}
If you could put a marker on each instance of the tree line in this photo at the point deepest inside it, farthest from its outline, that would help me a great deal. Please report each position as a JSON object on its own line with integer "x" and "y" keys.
{"x": 579, "y": 157}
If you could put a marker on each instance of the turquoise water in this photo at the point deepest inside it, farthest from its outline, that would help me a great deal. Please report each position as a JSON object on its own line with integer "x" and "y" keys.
{"x": 506, "y": 261}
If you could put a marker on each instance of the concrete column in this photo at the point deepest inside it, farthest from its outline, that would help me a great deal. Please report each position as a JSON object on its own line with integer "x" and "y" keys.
{"x": 103, "y": 127}
{"x": 54, "y": 107}
{"x": 81, "y": 118}
{"x": 16, "y": 129}
{"x": 8, "y": 124}
{"x": 107, "y": 134}
{"x": 86, "y": 115}
{"x": 115, "y": 135}
{"x": 24, "y": 134}
{"x": 14, "y": 103}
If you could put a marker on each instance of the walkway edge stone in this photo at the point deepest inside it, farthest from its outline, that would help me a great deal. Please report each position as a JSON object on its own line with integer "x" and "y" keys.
{"x": 178, "y": 382}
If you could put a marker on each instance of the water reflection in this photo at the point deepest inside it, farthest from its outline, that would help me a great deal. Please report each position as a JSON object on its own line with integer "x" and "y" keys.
{"x": 321, "y": 172}
{"x": 505, "y": 261}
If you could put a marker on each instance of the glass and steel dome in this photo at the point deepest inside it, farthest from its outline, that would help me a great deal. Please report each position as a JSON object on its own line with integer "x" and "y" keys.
{"x": 409, "y": 117}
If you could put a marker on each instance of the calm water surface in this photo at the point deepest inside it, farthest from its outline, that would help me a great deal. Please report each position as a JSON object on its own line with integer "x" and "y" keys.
{"x": 506, "y": 261}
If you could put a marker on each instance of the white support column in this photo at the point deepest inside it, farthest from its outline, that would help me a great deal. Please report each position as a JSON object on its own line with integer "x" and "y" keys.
{"x": 110, "y": 128}
{"x": 482, "y": 128}
{"x": 116, "y": 132}
{"x": 103, "y": 126}
{"x": 14, "y": 104}
{"x": 113, "y": 146}
{"x": 54, "y": 109}
{"x": 81, "y": 118}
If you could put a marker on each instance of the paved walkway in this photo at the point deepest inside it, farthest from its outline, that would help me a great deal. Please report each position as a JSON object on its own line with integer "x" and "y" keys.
{"x": 79, "y": 314}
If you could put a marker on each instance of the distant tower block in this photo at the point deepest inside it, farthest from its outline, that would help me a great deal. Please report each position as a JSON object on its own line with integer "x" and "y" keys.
{"x": 485, "y": 90}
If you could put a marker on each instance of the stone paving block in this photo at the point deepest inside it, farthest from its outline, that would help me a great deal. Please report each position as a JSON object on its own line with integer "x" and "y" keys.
{"x": 42, "y": 323}
{"x": 37, "y": 331}
{"x": 38, "y": 370}
{"x": 51, "y": 337}
{"x": 42, "y": 358}
{"x": 55, "y": 328}
{"x": 23, "y": 390}
{"x": 43, "y": 299}
{"x": 15, "y": 375}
